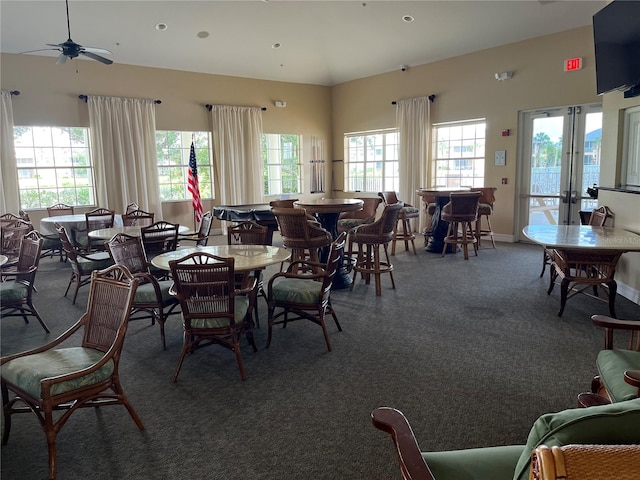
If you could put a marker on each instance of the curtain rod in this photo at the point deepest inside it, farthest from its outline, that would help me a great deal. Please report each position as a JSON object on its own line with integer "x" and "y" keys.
{"x": 15, "y": 92}
{"x": 430, "y": 97}
{"x": 209, "y": 107}
{"x": 85, "y": 97}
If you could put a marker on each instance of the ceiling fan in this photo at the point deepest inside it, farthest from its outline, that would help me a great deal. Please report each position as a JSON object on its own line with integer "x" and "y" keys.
{"x": 71, "y": 49}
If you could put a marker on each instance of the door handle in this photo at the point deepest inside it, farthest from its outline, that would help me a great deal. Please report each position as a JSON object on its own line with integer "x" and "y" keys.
{"x": 565, "y": 196}
{"x": 574, "y": 196}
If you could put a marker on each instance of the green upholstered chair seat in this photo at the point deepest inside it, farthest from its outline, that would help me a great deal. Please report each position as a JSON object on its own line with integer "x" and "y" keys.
{"x": 12, "y": 291}
{"x": 349, "y": 223}
{"x": 409, "y": 211}
{"x": 27, "y": 372}
{"x": 241, "y": 305}
{"x": 485, "y": 209}
{"x": 296, "y": 290}
{"x": 146, "y": 293}
{"x": 611, "y": 367}
{"x": 613, "y": 424}
{"x": 98, "y": 261}
{"x": 495, "y": 463}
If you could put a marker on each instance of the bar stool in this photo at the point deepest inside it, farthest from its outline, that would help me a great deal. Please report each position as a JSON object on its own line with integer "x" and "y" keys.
{"x": 404, "y": 216}
{"x": 460, "y": 212}
{"x": 485, "y": 209}
{"x": 369, "y": 237}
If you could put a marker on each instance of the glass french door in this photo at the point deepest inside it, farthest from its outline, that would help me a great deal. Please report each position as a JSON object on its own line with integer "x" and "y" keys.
{"x": 560, "y": 157}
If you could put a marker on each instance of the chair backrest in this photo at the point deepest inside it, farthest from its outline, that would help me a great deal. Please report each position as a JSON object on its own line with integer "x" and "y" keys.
{"x": 59, "y": 209}
{"x": 24, "y": 215}
{"x": 381, "y": 231}
{"x": 9, "y": 218}
{"x": 131, "y": 207}
{"x": 12, "y": 234}
{"x": 129, "y": 251}
{"x": 99, "y": 218}
{"x": 600, "y": 215}
{"x": 159, "y": 237}
{"x": 283, "y": 203}
{"x": 29, "y": 258}
{"x": 204, "y": 285}
{"x": 108, "y": 309}
{"x": 368, "y": 212}
{"x": 488, "y": 195}
{"x": 248, "y": 233}
{"x": 137, "y": 218}
{"x": 68, "y": 247}
{"x": 462, "y": 205}
{"x": 295, "y": 227}
{"x": 389, "y": 198}
{"x": 205, "y": 228}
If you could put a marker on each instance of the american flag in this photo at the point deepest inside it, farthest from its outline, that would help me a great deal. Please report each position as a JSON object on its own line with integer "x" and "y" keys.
{"x": 193, "y": 184}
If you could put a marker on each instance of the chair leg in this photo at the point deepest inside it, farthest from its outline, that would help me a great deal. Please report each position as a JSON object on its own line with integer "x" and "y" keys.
{"x": 564, "y": 291}
{"x": 386, "y": 254}
{"x": 449, "y": 230}
{"x": 6, "y": 412}
{"x": 613, "y": 288}
{"x": 50, "y": 433}
{"x": 376, "y": 269}
{"x": 185, "y": 348}
{"x": 395, "y": 238}
{"x": 545, "y": 261}
{"x": 35, "y": 313}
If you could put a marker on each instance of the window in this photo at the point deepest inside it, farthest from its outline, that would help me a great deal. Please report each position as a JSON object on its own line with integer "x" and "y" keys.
{"x": 282, "y": 166}
{"x": 173, "y": 149}
{"x": 459, "y": 154}
{"x": 54, "y": 165}
{"x": 371, "y": 161}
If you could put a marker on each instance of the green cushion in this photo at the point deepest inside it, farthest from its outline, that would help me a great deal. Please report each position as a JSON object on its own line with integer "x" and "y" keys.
{"x": 349, "y": 223}
{"x": 617, "y": 423}
{"x": 492, "y": 463}
{"x": 241, "y": 305}
{"x": 145, "y": 293}
{"x": 485, "y": 209}
{"x": 296, "y": 290}
{"x": 611, "y": 367}
{"x": 409, "y": 211}
{"x": 27, "y": 372}
{"x": 12, "y": 291}
{"x": 99, "y": 261}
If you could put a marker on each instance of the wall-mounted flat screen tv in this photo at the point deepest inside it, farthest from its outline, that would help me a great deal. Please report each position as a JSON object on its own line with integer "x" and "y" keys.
{"x": 616, "y": 34}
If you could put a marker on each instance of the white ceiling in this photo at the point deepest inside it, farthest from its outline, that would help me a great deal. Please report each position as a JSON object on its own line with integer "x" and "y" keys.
{"x": 322, "y": 42}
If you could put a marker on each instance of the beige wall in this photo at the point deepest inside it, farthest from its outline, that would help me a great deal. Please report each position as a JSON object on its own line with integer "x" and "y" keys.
{"x": 49, "y": 96}
{"x": 465, "y": 88}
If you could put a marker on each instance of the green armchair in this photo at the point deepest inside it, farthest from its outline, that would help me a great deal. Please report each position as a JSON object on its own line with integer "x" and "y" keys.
{"x": 612, "y": 424}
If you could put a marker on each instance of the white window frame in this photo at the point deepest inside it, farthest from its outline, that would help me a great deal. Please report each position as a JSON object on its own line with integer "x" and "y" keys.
{"x": 371, "y": 161}
{"x": 278, "y": 158}
{"x": 55, "y": 165}
{"x": 459, "y": 153}
{"x": 173, "y": 164}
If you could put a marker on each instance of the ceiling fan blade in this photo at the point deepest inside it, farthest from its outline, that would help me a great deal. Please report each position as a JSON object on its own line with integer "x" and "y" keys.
{"x": 106, "y": 61}
{"x": 62, "y": 58}
{"x": 42, "y": 50}
{"x": 59, "y": 45}
{"x": 97, "y": 50}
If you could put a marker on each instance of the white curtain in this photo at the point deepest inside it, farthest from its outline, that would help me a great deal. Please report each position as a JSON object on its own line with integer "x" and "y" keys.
{"x": 237, "y": 135}
{"x": 123, "y": 144}
{"x": 9, "y": 197}
{"x": 414, "y": 127}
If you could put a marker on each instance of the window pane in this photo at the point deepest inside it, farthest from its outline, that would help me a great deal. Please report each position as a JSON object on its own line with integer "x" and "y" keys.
{"x": 460, "y": 154}
{"x": 282, "y": 164}
{"x": 371, "y": 163}
{"x": 173, "y": 150}
{"x": 53, "y": 165}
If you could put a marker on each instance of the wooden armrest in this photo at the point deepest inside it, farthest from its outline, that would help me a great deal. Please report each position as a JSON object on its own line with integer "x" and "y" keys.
{"x": 608, "y": 322}
{"x": 395, "y": 424}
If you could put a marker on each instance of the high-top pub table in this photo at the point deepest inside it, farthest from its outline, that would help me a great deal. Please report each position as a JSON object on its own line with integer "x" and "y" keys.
{"x": 438, "y": 226}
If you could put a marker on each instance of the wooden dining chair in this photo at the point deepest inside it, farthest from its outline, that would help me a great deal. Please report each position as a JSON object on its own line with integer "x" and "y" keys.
{"x": 51, "y": 379}
{"x": 97, "y": 219}
{"x": 405, "y": 215}
{"x": 153, "y": 299}
{"x": 214, "y": 311}
{"x": 250, "y": 233}
{"x": 137, "y": 218}
{"x": 60, "y": 209}
{"x": 201, "y": 237}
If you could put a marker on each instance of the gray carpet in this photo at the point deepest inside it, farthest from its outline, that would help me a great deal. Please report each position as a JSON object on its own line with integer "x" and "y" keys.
{"x": 471, "y": 351}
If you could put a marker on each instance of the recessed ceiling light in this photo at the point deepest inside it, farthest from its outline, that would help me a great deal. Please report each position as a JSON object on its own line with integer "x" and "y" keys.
{"x": 407, "y": 18}
{"x": 202, "y": 34}
{"x": 276, "y": 45}
{"x": 161, "y": 26}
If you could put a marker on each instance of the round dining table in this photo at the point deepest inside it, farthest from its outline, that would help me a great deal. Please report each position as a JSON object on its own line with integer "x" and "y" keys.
{"x": 75, "y": 225}
{"x": 247, "y": 257}
{"x": 328, "y": 211}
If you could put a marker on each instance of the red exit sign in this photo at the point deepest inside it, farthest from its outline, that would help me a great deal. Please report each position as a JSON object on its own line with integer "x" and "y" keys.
{"x": 573, "y": 64}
